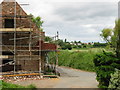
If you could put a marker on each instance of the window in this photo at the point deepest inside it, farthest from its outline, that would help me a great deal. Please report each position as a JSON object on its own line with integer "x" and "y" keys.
{"x": 9, "y": 23}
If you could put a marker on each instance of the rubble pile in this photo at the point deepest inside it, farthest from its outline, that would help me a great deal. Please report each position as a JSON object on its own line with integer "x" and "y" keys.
{"x": 21, "y": 78}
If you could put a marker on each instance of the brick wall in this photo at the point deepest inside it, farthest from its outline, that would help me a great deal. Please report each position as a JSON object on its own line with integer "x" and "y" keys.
{"x": 29, "y": 65}
{"x": 8, "y": 12}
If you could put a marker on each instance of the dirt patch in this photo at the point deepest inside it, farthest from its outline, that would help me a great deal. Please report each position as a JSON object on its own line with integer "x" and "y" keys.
{"x": 43, "y": 83}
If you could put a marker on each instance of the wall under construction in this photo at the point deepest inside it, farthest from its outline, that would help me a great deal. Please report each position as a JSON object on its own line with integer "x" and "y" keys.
{"x": 23, "y": 47}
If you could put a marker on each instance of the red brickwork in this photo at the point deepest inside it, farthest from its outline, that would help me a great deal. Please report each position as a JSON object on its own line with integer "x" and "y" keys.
{"x": 47, "y": 46}
{"x": 22, "y": 19}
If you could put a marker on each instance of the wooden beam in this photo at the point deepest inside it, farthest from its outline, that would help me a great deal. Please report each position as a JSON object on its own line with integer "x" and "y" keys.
{"x": 12, "y": 29}
{"x": 31, "y": 74}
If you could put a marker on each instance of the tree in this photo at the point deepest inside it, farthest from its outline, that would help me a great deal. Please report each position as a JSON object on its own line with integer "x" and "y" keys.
{"x": 37, "y": 20}
{"x": 79, "y": 42}
{"x": 112, "y": 36}
{"x": 76, "y": 42}
{"x": 68, "y": 46}
{"x": 48, "y": 39}
{"x": 65, "y": 40}
{"x": 117, "y": 36}
{"x": 106, "y": 34}
{"x": 60, "y": 42}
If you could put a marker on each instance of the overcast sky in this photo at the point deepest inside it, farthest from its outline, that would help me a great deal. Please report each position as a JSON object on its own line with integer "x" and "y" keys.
{"x": 80, "y": 20}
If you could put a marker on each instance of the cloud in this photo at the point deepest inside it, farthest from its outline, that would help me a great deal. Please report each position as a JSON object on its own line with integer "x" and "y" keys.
{"x": 83, "y": 21}
{"x": 74, "y": 19}
{"x": 82, "y": 11}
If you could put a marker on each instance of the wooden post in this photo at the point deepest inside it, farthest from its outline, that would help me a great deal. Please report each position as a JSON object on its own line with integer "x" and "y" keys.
{"x": 14, "y": 37}
{"x": 40, "y": 54}
{"x": 56, "y": 66}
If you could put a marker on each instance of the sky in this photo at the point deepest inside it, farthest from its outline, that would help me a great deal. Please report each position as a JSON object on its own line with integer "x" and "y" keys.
{"x": 80, "y": 20}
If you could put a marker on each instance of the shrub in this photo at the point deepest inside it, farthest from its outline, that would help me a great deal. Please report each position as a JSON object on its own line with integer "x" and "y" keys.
{"x": 105, "y": 64}
{"x": 115, "y": 80}
{"x": 79, "y": 46}
{"x": 67, "y": 46}
{"x": 63, "y": 48}
{"x": 84, "y": 46}
{"x": 74, "y": 46}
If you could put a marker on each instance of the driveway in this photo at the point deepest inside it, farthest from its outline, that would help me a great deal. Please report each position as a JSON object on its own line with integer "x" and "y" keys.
{"x": 69, "y": 78}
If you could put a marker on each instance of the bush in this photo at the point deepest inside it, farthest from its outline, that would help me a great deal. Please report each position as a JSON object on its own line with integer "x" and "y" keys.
{"x": 105, "y": 64}
{"x": 100, "y": 44}
{"x": 67, "y": 46}
{"x": 84, "y": 46}
{"x": 63, "y": 47}
{"x": 74, "y": 46}
{"x": 79, "y": 46}
{"x": 115, "y": 80}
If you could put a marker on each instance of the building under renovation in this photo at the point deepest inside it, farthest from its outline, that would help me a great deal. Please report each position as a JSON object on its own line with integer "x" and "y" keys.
{"x": 22, "y": 43}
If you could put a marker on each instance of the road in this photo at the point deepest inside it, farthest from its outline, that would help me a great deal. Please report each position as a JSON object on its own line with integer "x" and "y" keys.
{"x": 70, "y": 78}
{"x": 73, "y": 78}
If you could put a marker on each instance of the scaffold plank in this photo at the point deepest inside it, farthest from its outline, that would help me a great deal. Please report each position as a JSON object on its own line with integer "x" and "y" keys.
{"x": 17, "y": 29}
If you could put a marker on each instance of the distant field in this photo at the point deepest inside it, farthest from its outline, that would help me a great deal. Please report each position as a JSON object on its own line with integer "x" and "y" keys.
{"x": 79, "y": 58}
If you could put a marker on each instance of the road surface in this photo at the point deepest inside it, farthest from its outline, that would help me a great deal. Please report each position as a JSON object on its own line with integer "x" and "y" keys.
{"x": 70, "y": 78}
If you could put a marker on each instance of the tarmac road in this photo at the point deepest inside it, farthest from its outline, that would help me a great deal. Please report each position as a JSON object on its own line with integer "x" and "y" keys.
{"x": 69, "y": 78}
{"x": 74, "y": 78}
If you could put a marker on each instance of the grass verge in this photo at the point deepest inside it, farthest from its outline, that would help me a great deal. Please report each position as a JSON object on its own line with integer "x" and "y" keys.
{"x": 5, "y": 86}
{"x": 79, "y": 59}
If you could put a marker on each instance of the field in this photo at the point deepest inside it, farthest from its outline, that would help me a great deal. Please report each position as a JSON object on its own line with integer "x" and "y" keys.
{"x": 79, "y": 58}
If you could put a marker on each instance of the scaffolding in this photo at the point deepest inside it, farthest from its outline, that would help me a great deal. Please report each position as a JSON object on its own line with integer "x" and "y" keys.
{"x": 21, "y": 44}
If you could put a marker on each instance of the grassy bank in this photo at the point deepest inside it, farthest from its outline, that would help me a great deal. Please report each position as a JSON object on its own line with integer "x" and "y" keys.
{"x": 79, "y": 59}
{"x": 5, "y": 85}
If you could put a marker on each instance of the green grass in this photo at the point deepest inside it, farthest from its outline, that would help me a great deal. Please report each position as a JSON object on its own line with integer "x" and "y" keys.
{"x": 80, "y": 59}
{"x": 5, "y": 85}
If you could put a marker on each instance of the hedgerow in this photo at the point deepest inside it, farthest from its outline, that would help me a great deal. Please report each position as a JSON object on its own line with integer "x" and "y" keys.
{"x": 105, "y": 64}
